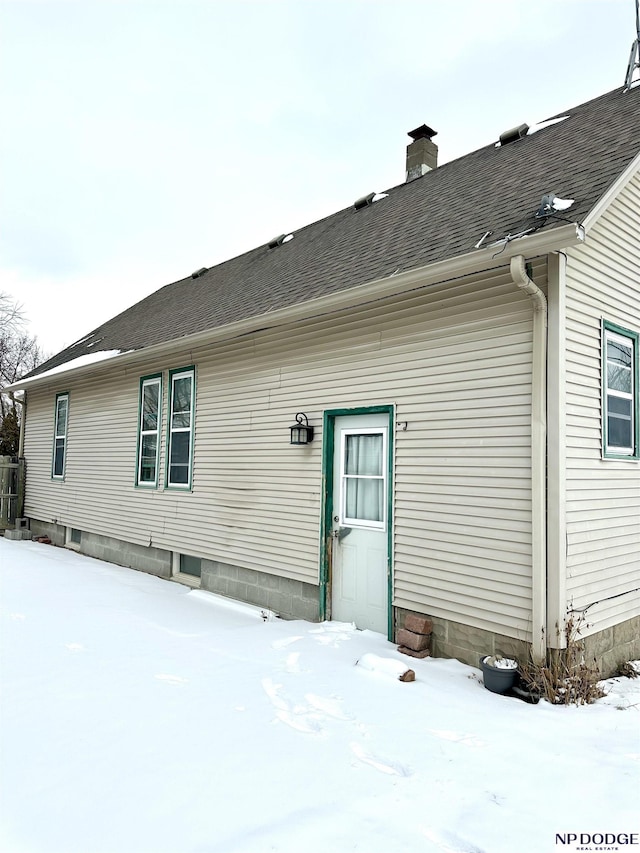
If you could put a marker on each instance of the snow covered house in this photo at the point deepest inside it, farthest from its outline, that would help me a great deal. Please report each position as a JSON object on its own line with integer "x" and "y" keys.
{"x": 464, "y": 350}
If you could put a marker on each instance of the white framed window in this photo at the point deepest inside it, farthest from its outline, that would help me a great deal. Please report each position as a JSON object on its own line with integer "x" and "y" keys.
{"x": 186, "y": 569}
{"x": 60, "y": 436}
{"x": 73, "y": 538}
{"x": 619, "y": 392}
{"x": 149, "y": 425}
{"x": 180, "y": 428}
{"x": 363, "y": 475}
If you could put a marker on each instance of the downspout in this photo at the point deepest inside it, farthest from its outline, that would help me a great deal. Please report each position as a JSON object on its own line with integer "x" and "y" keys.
{"x": 538, "y": 459}
{"x": 21, "y": 463}
{"x": 23, "y": 419}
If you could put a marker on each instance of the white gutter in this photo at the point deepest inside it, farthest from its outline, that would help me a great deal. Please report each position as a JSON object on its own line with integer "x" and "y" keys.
{"x": 538, "y": 459}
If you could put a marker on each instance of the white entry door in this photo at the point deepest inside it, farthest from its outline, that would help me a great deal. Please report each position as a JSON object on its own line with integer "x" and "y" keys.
{"x": 359, "y": 587}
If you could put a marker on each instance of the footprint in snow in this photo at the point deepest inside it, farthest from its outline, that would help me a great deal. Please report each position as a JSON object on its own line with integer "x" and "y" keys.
{"x": 273, "y": 690}
{"x": 391, "y": 768}
{"x": 334, "y": 628}
{"x": 292, "y": 666}
{"x": 300, "y": 721}
{"x": 298, "y": 717}
{"x": 456, "y": 737}
{"x": 173, "y": 680}
{"x": 332, "y": 634}
{"x": 330, "y": 707}
{"x": 284, "y": 642}
{"x": 450, "y": 843}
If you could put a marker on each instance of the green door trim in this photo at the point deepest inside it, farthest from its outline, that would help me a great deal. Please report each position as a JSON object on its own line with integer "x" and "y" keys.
{"x": 326, "y": 518}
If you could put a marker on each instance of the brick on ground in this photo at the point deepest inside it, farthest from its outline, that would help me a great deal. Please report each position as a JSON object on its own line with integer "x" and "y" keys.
{"x": 414, "y": 641}
{"x": 405, "y": 650}
{"x": 409, "y": 675}
{"x": 418, "y": 624}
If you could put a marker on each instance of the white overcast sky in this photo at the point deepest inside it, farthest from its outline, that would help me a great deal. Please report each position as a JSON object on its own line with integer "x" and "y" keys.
{"x": 143, "y": 139}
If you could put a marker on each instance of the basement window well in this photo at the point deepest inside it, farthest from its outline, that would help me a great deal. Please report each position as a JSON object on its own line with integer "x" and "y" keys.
{"x": 73, "y": 538}
{"x": 187, "y": 569}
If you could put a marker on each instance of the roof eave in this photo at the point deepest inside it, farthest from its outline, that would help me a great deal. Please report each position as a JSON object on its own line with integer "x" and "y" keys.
{"x": 478, "y": 260}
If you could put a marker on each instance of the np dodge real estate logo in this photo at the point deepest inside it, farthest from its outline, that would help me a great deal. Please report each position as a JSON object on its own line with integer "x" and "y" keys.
{"x": 597, "y": 840}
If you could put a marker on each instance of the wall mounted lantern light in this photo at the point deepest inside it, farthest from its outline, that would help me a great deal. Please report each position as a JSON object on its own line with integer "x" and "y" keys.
{"x": 301, "y": 432}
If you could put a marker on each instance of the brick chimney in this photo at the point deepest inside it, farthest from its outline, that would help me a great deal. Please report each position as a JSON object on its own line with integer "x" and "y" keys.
{"x": 422, "y": 153}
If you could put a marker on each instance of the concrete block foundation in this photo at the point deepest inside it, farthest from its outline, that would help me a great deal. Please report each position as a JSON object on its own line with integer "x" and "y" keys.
{"x": 614, "y": 646}
{"x": 293, "y": 599}
{"x": 609, "y": 648}
{"x": 154, "y": 561}
{"x": 466, "y": 643}
{"x": 15, "y": 534}
{"x": 55, "y": 532}
{"x": 290, "y": 599}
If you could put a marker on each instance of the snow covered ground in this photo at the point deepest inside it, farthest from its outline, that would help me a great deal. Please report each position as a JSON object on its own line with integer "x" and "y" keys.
{"x": 139, "y": 716}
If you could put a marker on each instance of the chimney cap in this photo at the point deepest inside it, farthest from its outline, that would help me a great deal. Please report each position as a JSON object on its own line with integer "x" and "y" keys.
{"x": 422, "y": 132}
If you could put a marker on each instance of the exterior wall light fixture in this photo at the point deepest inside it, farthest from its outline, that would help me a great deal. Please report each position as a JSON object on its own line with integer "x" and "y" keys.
{"x": 301, "y": 432}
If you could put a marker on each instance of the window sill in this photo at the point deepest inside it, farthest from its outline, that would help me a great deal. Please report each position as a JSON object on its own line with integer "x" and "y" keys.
{"x": 186, "y": 580}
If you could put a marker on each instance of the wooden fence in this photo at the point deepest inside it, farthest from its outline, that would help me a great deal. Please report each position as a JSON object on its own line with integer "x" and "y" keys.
{"x": 12, "y": 479}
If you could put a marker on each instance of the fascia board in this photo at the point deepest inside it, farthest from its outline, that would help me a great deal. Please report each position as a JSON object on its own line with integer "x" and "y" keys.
{"x": 478, "y": 260}
{"x": 611, "y": 194}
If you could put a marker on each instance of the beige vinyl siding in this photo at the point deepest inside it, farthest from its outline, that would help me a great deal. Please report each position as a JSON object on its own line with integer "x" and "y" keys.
{"x": 603, "y": 495}
{"x": 455, "y": 359}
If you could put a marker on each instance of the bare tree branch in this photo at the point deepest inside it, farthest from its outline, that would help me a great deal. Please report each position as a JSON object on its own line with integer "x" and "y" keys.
{"x": 19, "y": 351}
{"x": 11, "y": 315}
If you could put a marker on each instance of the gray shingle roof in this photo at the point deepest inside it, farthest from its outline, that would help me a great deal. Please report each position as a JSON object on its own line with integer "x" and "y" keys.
{"x": 433, "y": 218}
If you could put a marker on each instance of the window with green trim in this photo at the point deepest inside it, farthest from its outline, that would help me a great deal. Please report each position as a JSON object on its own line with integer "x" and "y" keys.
{"x": 180, "y": 429}
{"x": 60, "y": 436}
{"x": 149, "y": 430}
{"x": 619, "y": 392}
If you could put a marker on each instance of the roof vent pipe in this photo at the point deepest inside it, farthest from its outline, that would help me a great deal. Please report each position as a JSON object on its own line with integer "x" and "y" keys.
{"x": 422, "y": 153}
